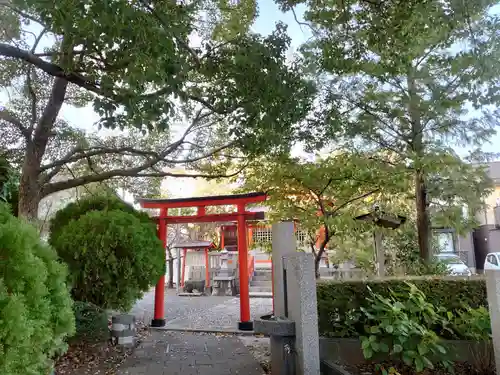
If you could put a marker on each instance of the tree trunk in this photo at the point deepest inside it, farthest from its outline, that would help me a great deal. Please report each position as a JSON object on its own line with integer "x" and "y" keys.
{"x": 317, "y": 261}
{"x": 170, "y": 263}
{"x": 29, "y": 188}
{"x": 418, "y": 148}
{"x": 423, "y": 220}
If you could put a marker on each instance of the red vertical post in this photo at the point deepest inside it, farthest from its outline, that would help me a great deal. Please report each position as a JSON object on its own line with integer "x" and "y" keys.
{"x": 245, "y": 324}
{"x": 183, "y": 271}
{"x": 207, "y": 273}
{"x": 222, "y": 237}
{"x": 159, "y": 314}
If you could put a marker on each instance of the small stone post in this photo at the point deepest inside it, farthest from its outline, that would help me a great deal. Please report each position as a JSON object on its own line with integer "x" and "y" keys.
{"x": 493, "y": 290}
{"x": 284, "y": 242}
{"x": 302, "y": 308}
{"x": 123, "y": 329}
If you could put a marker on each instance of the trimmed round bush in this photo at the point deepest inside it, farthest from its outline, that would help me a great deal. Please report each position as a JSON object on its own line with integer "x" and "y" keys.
{"x": 112, "y": 256}
{"x": 36, "y": 312}
{"x": 102, "y": 202}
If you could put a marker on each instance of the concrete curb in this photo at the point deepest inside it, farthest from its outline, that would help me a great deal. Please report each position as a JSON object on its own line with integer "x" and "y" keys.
{"x": 229, "y": 331}
{"x": 330, "y": 368}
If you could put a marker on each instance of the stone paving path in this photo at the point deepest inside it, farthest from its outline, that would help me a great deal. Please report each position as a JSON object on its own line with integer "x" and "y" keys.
{"x": 206, "y": 312}
{"x": 176, "y": 353}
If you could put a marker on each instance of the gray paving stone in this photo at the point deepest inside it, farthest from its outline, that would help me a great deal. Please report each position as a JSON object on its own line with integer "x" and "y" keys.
{"x": 208, "y": 312}
{"x": 172, "y": 353}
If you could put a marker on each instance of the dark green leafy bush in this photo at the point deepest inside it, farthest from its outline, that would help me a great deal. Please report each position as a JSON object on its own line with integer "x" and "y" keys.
{"x": 113, "y": 257}
{"x": 102, "y": 202}
{"x": 399, "y": 327}
{"x": 36, "y": 312}
{"x": 340, "y": 303}
{"x": 91, "y": 322}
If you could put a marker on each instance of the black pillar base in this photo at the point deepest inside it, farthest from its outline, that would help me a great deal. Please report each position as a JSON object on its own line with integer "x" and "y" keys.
{"x": 245, "y": 326}
{"x": 158, "y": 323}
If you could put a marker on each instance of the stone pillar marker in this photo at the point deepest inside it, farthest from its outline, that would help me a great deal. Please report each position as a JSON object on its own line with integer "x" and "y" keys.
{"x": 284, "y": 242}
{"x": 302, "y": 308}
{"x": 493, "y": 290}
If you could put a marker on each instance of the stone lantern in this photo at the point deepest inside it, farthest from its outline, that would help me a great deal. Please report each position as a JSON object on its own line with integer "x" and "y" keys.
{"x": 381, "y": 219}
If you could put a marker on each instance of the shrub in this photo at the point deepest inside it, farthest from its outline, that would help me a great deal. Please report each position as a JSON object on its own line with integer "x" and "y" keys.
{"x": 398, "y": 327}
{"x": 91, "y": 322}
{"x": 9, "y": 184}
{"x": 35, "y": 305}
{"x": 340, "y": 303}
{"x": 103, "y": 202}
{"x": 113, "y": 257}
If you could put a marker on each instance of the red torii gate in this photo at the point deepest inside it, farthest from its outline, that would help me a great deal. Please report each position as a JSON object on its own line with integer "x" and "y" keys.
{"x": 241, "y": 216}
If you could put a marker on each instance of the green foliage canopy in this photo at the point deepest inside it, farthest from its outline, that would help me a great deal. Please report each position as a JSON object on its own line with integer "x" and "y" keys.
{"x": 328, "y": 192}
{"x": 415, "y": 80}
{"x": 35, "y": 306}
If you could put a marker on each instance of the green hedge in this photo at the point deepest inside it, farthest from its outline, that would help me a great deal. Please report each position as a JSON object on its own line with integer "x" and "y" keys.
{"x": 340, "y": 303}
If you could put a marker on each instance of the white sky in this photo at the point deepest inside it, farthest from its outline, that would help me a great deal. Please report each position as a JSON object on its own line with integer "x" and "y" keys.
{"x": 85, "y": 118}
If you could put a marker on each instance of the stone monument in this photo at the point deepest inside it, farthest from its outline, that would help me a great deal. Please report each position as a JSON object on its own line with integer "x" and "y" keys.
{"x": 293, "y": 326}
{"x": 224, "y": 279}
{"x": 493, "y": 290}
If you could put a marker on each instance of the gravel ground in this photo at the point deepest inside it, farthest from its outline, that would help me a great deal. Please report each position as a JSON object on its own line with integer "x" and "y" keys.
{"x": 260, "y": 348}
{"x": 205, "y": 312}
{"x": 175, "y": 306}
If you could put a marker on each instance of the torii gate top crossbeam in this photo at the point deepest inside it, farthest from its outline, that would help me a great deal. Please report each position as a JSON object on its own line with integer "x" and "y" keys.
{"x": 218, "y": 200}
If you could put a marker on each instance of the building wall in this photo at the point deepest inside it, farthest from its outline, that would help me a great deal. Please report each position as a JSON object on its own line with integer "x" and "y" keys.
{"x": 488, "y": 217}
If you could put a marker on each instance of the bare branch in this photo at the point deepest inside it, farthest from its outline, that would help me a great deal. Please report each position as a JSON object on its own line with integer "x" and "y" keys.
{"x": 12, "y": 119}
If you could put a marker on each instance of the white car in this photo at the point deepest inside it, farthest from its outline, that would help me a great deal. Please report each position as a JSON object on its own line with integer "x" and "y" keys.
{"x": 492, "y": 261}
{"x": 456, "y": 266}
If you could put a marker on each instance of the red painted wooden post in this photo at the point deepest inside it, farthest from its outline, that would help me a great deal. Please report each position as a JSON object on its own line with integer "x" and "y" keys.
{"x": 183, "y": 272}
{"x": 159, "y": 314}
{"x": 245, "y": 324}
{"x": 222, "y": 237}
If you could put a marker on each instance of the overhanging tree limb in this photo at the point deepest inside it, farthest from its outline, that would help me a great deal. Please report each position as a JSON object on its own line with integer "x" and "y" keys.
{"x": 132, "y": 172}
{"x": 55, "y": 70}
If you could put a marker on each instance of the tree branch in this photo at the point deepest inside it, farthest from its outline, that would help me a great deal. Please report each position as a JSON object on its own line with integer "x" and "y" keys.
{"x": 10, "y": 118}
{"x": 351, "y": 201}
{"x": 132, "y": 172}
{"x": 6, "y": 3}
{"x": 49, "y": 68}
